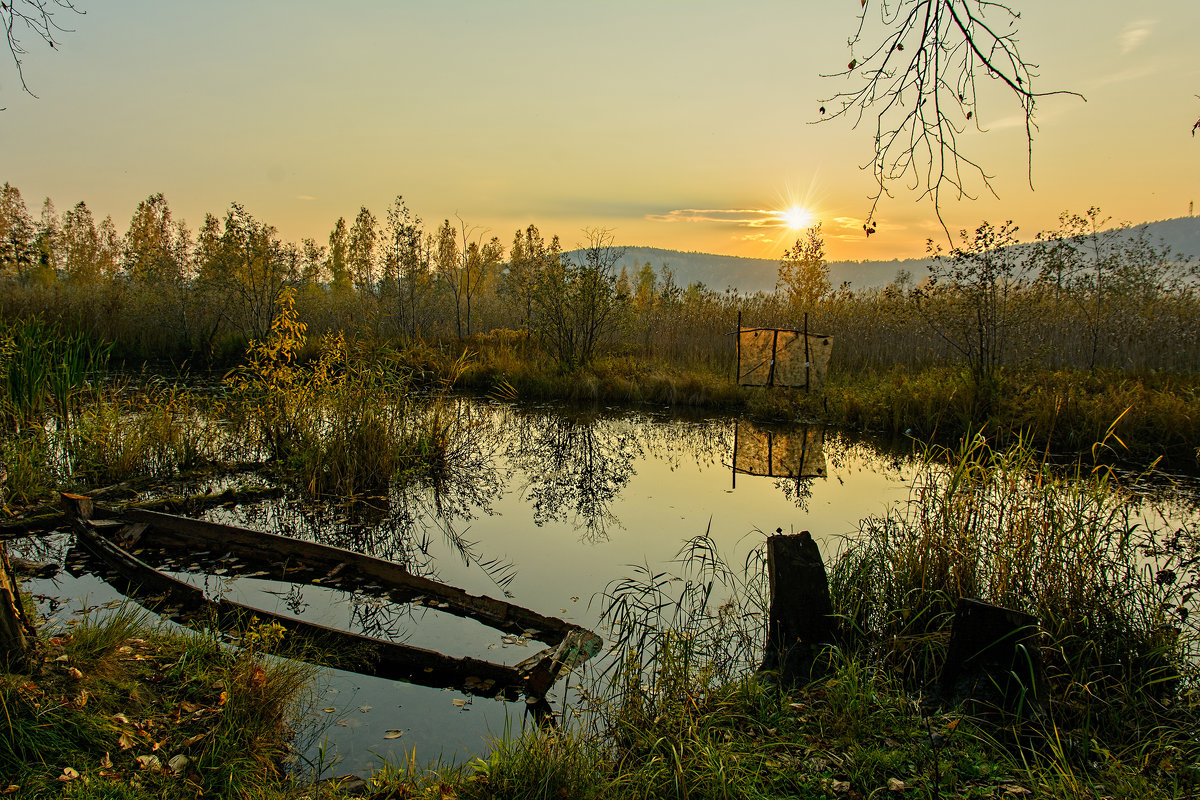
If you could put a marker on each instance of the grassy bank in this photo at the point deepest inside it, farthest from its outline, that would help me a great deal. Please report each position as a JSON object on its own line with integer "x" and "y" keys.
{"x": 1063, "y": 410}
{"x": 119, "y": 706}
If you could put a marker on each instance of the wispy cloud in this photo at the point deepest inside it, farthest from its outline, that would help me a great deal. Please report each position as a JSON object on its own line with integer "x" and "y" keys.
{"x": 305, "y": 197}
{"x": 740, "y": 217}
{"x": 1135, "y": 34}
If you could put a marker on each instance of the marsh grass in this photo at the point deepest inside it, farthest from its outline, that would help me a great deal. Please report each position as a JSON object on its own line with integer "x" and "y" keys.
{"x": 154, "y": 431}
{"x": 348, "y": 422}
{"x": 45, "y": 369}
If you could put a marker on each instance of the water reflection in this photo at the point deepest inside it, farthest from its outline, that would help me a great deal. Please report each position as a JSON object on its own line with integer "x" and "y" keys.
{"x": 574, "y": 468}
{"x": 796, "y": 455}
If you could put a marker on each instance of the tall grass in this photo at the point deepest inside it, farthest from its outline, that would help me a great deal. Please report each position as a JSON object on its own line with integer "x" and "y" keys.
{"x": 1005, "y": 526}
{"x": 44, "y": 369}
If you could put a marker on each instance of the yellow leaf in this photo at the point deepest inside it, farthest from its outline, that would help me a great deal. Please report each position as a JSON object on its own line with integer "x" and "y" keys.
{"x": 126, "y": 741}
{"x": 895, "y": 785}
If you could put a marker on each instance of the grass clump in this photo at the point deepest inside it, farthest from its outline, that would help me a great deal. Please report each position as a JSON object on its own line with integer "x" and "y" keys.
{"x": 119, "y": 707}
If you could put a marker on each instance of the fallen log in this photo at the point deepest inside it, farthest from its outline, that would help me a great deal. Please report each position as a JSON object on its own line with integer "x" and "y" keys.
{"x": 42, "y": 524}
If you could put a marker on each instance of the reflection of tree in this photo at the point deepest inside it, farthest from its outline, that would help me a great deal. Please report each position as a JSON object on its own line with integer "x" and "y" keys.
{"x": 575, "y": 468}
{"x": 797, "y": 490}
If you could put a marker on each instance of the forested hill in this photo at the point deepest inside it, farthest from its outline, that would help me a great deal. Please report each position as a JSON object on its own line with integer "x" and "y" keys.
{"x": 749, "y": 275}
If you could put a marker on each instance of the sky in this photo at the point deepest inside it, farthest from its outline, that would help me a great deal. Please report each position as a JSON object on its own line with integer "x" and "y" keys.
{"x": 680, "y": 124}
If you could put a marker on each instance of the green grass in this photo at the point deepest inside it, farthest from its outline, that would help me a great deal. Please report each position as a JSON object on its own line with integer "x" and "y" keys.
{"x": 116, "y": 698}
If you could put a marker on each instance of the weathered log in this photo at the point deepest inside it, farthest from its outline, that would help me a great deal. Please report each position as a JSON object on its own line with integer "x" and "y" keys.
{"x": 801, "y": 621}
{"x": 17, "y": 634}
{"x": 993, "y": 660}
{"x": 33, "y": 569}
{"x": 193, "y": 504}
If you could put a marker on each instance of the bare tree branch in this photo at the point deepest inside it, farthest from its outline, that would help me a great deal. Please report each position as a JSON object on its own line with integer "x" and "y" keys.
{"x": 920, "y": 81}
{"x": 23, "y": 18}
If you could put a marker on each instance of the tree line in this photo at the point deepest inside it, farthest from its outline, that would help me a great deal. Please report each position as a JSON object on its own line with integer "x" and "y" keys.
{"x": 206, "y": 293}
{"x": 1078, "y": 296}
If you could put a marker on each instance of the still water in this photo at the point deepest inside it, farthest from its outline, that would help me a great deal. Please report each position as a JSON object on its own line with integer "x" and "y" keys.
{"x": 547, "y": 508}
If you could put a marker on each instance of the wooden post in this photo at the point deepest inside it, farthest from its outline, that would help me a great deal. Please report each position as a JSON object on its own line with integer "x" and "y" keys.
{"x": 738, "y": 365}
{"x": 993, "y": 658}
{"x": 801, "y": 618}
{"x": 807, "y": 357}
{"x": 774, "y": 355}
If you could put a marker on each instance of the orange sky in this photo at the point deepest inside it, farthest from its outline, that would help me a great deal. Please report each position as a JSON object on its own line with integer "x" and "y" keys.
{"x": 680, "y": 124}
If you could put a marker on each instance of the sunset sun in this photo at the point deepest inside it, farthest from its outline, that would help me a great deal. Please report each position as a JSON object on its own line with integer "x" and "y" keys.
{"x": 796, "y": 218}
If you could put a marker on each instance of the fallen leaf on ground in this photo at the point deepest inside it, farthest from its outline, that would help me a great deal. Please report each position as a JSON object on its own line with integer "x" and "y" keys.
{"x": 841, "y": 787}
{"x": 364, "y": 709}
{"x": 393, "y": 734}
{"x": 68, "y": 774}
{"x": 149, "y": 762}
{"x": 896, "y": 785}
{"x": 126, "y": 741}
{"x": 329, "y": 710}
{"x": 75, "y": 674}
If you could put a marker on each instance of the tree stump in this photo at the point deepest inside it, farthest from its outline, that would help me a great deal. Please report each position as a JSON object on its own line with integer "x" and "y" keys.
{"x": 993, "y": 659}
{"x": 801, "y": 618}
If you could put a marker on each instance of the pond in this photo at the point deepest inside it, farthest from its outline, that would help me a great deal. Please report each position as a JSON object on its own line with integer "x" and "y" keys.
{"x": 549, "y": 508}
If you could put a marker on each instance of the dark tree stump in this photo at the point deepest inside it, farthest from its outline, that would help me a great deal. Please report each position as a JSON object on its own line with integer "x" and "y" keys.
{"x": 801, "y": 618}
{"x": 993, "y": 659}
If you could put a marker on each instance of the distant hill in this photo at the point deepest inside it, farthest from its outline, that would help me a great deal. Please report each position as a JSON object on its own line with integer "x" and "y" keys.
{"x": 748, "y": 275}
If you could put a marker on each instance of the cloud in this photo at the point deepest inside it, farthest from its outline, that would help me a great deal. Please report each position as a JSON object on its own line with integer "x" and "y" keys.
{"x": 741, "y": 217}
{"x": 1135, "y": 34}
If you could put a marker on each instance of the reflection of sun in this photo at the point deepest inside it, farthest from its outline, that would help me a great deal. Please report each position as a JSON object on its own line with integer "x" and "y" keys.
{"x": 796, "y": 217}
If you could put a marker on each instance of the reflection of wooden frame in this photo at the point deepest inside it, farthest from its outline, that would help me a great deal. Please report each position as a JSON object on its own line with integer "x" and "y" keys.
{"x": 782, "y": 357}
{"x": 779, "y": 454}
